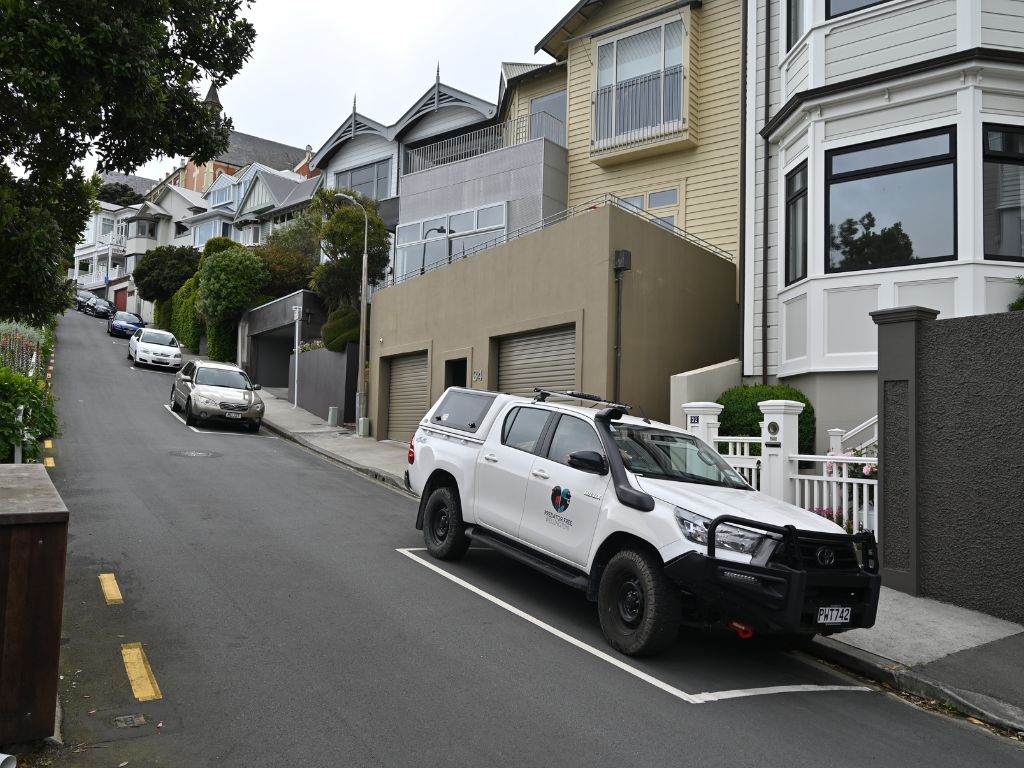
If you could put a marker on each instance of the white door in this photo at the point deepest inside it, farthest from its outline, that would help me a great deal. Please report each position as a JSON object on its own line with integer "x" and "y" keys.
{"x": 563, "y": 504}
{"x": 503, "y": 468}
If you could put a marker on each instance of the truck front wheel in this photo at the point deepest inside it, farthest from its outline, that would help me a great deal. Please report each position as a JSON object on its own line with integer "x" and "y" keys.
{"x": 443, "y": 530}
{"x": 639, "y": 607}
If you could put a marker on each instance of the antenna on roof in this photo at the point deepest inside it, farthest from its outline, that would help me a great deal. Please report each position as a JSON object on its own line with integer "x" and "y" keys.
{"x": 437, "y": 88}
{"x": 353, "y": 115}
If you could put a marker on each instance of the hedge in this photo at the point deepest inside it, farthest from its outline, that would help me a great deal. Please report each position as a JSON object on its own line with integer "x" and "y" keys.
{"x": 162, "y": 313}
{"x": 222, "y": 340}
{"x": 40, "y": 418}
{"x": 186, "y": 322}
{"x": 742, "y": 417}
{"x": 342, "y": 326}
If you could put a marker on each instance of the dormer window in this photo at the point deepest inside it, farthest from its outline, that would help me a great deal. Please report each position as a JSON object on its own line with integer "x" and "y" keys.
{"x": 222, "y": 196}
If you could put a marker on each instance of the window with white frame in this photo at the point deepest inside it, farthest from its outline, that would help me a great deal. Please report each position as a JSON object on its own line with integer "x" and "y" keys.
{"x": 106, "y": 226}
{"x": 796, "y": 224}
{"x": 796, "y": 21}
{"x": 204, "y": 231}
{"x": 426, "y": 245}
{"x": 222, "y": 196}
{"x": 639, "y": 84}
{"x": 145, "y": 228}
{"x": 1003, "y": 192}
{"x": 371, "y": 181}
{"x": 835, "y": 8}
{"x": 891, "y": 202}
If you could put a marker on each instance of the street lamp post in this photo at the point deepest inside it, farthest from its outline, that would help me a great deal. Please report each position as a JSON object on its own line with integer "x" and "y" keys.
{"x": 423, "y": 252}
{"x": 362, "y": 427}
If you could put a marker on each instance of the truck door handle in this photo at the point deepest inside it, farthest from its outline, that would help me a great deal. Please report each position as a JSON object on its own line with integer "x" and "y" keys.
{"x": 541, "y": 474}
{"x": 491, "y": 458}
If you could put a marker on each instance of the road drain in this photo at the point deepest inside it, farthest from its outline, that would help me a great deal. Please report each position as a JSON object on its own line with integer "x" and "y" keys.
{"x": 195, "y": 454}
{"x": 130, "y": 721}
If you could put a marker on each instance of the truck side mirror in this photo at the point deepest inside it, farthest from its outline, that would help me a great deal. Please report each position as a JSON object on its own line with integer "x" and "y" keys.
{"x": 588, "y": 461}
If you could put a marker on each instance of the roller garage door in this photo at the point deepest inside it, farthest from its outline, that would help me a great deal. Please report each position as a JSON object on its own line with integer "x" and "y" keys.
{"x": 407, "y": 396}
{"x": 540, "y": 359}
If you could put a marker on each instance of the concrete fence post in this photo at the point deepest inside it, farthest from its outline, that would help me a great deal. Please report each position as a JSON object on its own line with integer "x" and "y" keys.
{"x": 835, "y": 441}
{"x": 702, "y": 420}
{"x": 780, "y": 439}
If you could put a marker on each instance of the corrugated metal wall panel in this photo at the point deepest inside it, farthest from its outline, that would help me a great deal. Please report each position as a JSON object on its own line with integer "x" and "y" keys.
{"x": 544, "y": 359}
{"x": 408, "y": 396}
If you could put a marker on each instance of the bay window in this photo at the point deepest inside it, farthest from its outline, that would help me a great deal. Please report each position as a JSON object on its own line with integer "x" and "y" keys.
{"x": 891, "y": 202}
{"x": 840, "y": 7}
{"x": 639, "y": 84}
{"x": 371, "y": 181}
{"x": 426, "y": 245}
{"x": 1003, "y": 185}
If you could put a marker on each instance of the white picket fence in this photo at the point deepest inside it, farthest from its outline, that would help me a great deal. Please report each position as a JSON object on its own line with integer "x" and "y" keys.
{"x": 840, "y": 487}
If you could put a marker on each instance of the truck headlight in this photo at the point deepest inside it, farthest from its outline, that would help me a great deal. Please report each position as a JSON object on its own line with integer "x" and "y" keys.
{"x": 695, "y": 529}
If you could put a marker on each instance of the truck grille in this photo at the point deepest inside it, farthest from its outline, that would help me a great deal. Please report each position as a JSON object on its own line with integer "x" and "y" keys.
{"x": 819, "y": 555}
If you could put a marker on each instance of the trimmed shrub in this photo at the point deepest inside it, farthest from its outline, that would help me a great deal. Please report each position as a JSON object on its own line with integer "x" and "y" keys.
{"x": 163, "y": 310}
{"x": 1018, "y": 304}
{"x": 187, "y": 323}
{"x": 222, "y": 340}
{"x": 40, "y": 418}
{"x": 342, "y": 326}
{"x": 742, "y": 417}
{"x": 163, "y": 270}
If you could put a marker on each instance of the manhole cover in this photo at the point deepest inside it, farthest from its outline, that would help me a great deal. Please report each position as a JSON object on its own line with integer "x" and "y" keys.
{"x": 130, "y": 721}
{"x": 195, "y": 454}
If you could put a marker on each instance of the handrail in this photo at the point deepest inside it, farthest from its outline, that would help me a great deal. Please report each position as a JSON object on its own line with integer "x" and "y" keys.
{"x": 520, "y": 130}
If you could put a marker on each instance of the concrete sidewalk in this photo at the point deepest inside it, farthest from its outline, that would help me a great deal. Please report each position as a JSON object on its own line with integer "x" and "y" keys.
{"x": 964, "y": 659}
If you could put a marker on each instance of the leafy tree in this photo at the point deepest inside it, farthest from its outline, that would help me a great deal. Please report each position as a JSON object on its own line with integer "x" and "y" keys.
{"x": 97, "y": 76}
{"x": 338, "y": 227}
{"x": 289, "y": 269}
{"x": 861, "y": 247}
{"x": 228, "y": 283}
{"x": 164, "y": 269}
{"x": 118, "y": 194}
{"x": 215, "y": 244}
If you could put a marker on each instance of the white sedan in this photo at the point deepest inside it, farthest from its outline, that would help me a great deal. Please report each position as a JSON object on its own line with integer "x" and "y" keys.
{"x": 152, "y": 347}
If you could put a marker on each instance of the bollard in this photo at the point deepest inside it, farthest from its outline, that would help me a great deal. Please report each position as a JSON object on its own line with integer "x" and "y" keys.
{"x": 332, "y": 416}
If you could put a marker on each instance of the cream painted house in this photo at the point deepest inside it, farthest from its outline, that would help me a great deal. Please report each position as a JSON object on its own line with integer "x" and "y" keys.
{"x": 654, "y": 108}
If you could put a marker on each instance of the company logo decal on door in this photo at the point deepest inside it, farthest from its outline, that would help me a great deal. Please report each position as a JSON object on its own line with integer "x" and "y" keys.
{"x": 560, "y": 498}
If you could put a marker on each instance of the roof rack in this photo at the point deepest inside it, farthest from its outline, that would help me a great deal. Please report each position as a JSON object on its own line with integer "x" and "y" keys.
{"x": 543, "y": 394}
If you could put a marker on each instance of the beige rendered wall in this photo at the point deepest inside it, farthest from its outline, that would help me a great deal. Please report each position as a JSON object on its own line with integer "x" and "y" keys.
{"x": 842, "y": 400}
{"x": 679, "y": 309}
{"x": 708, "y": 175}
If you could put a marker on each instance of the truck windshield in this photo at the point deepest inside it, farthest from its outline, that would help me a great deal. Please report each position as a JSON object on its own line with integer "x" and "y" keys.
{"x": 658, "y": 453}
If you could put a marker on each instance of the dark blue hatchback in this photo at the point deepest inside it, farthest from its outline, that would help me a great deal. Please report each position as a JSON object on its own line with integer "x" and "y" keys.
{"x": 124, "y": 324}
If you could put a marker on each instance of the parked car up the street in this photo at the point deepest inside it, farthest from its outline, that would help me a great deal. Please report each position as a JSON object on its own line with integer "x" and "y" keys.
{"x": 124, "y": 324}
{"x": 98, "y": 307}
{"x": 211, "y": 391}
{"x": 153, "y": 347}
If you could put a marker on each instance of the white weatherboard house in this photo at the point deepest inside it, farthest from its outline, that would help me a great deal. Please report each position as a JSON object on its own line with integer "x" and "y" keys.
{"x": 894, "y": 138}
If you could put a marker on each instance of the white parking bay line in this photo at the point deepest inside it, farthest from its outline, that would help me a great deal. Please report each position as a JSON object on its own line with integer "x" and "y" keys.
{"x": 689, "y": 698}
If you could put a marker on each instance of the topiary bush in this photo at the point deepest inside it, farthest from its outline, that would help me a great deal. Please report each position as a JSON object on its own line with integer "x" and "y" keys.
{"x": 342, "y": 327}
{"x": 742, "y": 417}
{"x": 163, "y": 313}
{"x": 229, "y": 282}
{"x": 187, "y": 323}
{"x": 1018, "y": 304}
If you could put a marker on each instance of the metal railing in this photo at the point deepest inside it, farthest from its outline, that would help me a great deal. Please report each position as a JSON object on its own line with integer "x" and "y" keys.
{"x": 607, "y": 199}
{"x": 638, "y": 110}
{"x": 112, "y": 239}
{"x": 97, "y": 276}
{"x": 540, "y": 125}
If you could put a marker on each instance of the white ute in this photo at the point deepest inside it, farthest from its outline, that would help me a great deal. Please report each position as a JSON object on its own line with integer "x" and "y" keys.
{"x": 647, "y": 520}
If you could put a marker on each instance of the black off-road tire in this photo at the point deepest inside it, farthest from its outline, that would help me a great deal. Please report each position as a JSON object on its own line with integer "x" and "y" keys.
{"x": 443, "y": 530}
{"x": 174, "y": 403}
{"x": 190, "y": 420}
{"x": 639, "y": 607}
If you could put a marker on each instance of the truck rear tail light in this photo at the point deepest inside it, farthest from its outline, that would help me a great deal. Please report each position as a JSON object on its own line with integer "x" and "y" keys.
{"x": 412, "y": 451}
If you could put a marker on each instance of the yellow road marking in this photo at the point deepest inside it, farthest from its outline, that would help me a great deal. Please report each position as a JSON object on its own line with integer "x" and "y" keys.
{"x": 111, "y": 592}
{"x": 140, "y": 674}
{"x": 49, "y": 462}
{"x": 48, "y": 445}
{"x": 49, "y": 375}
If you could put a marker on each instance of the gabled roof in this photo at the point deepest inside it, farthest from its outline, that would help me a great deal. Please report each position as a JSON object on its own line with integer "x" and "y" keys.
{"x": 354, "y": 125}
{"x": 150, "y": 210}
{"x": 301, "y": 193}
{"x": 512, "y": 74}
{"x": 511, "y": 69}
{"x": 556, "y": 41}
{"x": 437, "y": 96}
{"x": 244, "y": 149}
{"x": 278, "y": 185}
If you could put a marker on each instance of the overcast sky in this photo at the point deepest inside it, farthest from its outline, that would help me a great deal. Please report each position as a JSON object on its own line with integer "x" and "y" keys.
{"x": 312, "y": 56}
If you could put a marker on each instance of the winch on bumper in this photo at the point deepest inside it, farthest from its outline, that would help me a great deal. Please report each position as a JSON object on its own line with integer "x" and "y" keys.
{"x": 808, "y": 582}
